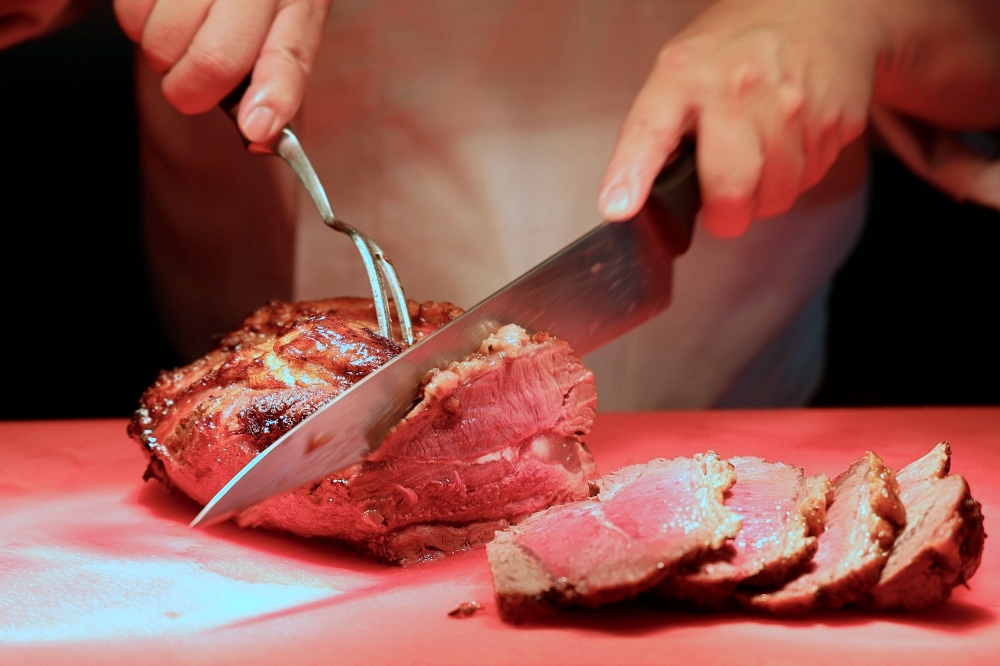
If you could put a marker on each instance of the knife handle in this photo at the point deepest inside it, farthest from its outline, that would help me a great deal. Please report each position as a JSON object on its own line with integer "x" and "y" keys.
{"x": 675, "y": 197}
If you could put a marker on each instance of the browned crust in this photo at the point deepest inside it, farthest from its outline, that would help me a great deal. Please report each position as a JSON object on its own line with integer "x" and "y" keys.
{"x": 156, "y": 470}
{"x": 274, "y": 339}
{"x": 268, "y": 321}
{"x": 271, "y": 370}
{"x": 972, "y": 540}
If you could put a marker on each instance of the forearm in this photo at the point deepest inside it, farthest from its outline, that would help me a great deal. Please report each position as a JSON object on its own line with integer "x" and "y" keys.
{"x": 940, "y": 61}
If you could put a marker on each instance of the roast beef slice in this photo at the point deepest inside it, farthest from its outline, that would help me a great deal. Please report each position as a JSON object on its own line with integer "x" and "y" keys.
{"x": 862, "y": 521}
{"x": 645, "y": 521}
{"x": 493, "y": 439}
{"x": 782, "y": 513}
{"x": 942, "y": 543}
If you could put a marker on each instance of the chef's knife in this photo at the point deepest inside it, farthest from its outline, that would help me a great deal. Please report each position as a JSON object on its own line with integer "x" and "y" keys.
{"x": 589, "y": 293}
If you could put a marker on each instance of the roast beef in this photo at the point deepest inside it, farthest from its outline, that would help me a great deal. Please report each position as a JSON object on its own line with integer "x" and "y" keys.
{"x": 862, "y": 521}
{"x": 645, "y": 521}
{"x": 943, "y": 541}
{"x": 782, "y": 513}
{"x": 491, "y": 439}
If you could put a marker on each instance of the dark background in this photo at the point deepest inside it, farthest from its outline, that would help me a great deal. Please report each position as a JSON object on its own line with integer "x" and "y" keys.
{"x": 914, "y": 311}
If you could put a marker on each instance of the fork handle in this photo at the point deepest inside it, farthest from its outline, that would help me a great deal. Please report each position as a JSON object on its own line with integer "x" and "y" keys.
{"x": 231, "y": 102}
{"x": 231, "y": 105}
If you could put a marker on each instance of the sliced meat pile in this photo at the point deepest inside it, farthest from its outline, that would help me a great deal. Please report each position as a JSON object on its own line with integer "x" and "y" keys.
{"x": 862, "y": 521}
{"x": 943, "y": 541}
{"x": 645, "y": 522}
{"x": 782, "y": 514}
{"x": 492, "y": 439}
{"x": 804, "y": 544}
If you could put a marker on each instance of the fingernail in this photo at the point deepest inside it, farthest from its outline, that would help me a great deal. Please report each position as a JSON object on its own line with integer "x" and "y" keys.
{"x": 616, "y": 202}
{"x": 258, "y": 123}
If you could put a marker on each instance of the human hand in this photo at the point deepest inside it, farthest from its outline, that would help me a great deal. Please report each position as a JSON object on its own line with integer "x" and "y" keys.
{"x": 204, "y": 48}
{"x": 772, "y": 89}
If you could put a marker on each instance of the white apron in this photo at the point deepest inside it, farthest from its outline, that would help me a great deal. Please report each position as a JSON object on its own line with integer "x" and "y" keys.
{"x": 469, "y": 138}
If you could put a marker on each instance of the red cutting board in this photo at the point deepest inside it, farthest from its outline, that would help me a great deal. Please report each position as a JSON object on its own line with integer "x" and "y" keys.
{"x": 98, "y": 567}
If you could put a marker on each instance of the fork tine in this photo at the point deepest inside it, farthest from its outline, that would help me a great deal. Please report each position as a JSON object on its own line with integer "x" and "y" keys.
{"x": 396, "y": 289}
{"x": 375, "y": 277}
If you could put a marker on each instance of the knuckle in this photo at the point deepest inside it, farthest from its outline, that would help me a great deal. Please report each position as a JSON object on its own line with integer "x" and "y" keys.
{"x": 791, "y": 102}
{"x": 296, "y": 71}
{"x": 294, "y": 55}
{"x": 827, "y": 124}
{"x": 746, "y": 78}
{"x": 737, "y": 192}
{"x": 213, "y": 63}
{"x": 754, "y": 64}
{"x": 838, "y": 127}
{"x": 682, "y": 62}
{"x": 181, "y": 96}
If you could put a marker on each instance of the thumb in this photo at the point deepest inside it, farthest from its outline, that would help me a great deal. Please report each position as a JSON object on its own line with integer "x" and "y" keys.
{"x": 652, "y": 130}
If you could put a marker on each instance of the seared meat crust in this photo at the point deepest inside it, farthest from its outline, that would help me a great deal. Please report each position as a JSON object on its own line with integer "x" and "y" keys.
{"x": 286, "y": 360}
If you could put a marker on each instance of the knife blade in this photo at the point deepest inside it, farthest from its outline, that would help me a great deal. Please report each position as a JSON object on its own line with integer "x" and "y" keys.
{"x": 599, "y": 287}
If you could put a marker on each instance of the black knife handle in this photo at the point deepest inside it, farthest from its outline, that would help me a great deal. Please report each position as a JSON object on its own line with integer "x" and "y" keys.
{"x": 675, "y": 197}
